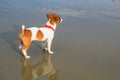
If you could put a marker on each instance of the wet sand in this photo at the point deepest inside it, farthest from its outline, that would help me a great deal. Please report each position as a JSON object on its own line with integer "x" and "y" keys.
{"x": 86, "y": 48}
{"x": 86, "y": 43}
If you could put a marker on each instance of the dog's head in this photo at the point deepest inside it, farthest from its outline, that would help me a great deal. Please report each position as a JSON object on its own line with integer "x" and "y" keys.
{"x": 54, "y": 18}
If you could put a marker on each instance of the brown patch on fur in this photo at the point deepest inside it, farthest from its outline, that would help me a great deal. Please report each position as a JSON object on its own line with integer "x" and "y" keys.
{"x": 39, "y": 35}
{"x": 25, "y": 38}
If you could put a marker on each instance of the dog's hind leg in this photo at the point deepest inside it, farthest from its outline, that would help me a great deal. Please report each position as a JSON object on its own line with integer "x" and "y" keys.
{"x": 26, "y": 45}
{"x": 21, "y": 45}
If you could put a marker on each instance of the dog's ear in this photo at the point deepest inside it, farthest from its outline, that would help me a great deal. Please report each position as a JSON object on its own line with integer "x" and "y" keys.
{"x": 49, "y": 15}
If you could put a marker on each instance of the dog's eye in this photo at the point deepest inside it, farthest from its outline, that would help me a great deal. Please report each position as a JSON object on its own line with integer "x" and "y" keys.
{"x": 59, "y": 18}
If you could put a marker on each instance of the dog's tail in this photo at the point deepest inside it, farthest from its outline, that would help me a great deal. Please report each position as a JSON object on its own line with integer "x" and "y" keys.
{"x": 22, "y": 32}
{"x": 23, "y": 28}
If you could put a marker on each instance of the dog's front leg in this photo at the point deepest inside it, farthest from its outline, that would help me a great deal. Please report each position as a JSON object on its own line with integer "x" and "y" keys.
{"x": 44, "y": 45}
{"x": 49, "y": 42}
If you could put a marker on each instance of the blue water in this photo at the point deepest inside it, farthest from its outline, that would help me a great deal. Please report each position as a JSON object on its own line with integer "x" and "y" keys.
{"x": 63, "y": 7}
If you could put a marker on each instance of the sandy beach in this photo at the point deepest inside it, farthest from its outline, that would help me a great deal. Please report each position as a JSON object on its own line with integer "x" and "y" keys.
{"x": 86, "y": 43}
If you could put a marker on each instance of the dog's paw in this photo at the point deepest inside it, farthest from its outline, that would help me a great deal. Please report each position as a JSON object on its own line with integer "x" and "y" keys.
{"x": 51, "y": 52}
{"x": 45, "y": 49}
{"x": 27, "y": 57}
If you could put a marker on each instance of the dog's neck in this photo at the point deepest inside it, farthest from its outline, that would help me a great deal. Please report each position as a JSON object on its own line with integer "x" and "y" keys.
{"x": 53, "y": 26}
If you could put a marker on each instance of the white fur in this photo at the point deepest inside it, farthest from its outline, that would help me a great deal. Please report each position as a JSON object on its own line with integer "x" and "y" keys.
{"x": 25, "y": 54}
{"x": 48, "y": 33}
{"x": 34, "y": 31}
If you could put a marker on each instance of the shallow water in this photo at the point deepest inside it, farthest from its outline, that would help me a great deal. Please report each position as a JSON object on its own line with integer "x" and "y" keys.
{"x": 86, "y": 43}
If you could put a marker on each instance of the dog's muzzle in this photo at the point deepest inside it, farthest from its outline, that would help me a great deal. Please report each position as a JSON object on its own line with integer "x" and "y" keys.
{"x": 61, "y": 20}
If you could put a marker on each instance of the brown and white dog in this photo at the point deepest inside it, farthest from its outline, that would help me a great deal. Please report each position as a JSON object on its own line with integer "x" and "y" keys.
{"x": 45, "y": 34}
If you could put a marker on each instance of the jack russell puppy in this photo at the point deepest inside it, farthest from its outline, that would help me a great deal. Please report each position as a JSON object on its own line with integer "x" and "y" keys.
{"x": 45, "y": 34}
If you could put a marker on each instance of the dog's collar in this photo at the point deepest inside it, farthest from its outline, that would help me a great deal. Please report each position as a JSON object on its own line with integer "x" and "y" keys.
{"x": 50, "y": 27}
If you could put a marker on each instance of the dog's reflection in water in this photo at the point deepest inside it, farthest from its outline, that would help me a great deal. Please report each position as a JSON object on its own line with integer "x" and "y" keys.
{"x": 44, "y": 68}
